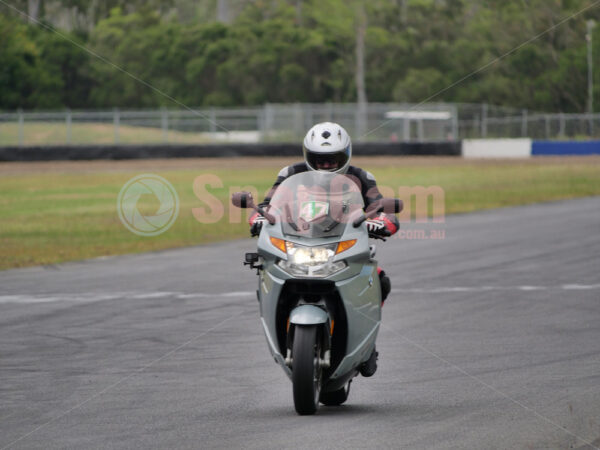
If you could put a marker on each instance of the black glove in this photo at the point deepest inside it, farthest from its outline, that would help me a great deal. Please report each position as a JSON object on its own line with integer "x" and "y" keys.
{"x": 256, "y": 223}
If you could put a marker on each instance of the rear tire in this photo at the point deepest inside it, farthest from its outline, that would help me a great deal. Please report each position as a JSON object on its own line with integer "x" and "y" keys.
{"x": 336, "y": 398}
{"x": 306, "y": 369}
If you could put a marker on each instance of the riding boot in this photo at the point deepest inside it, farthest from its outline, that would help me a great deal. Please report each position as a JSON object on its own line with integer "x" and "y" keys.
{"x": 386, "y": 285}
{"x": 369, "y": 367}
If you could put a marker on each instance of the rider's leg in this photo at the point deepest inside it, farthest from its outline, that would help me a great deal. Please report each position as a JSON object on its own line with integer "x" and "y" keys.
{"x": 386, "y": 284}
{"x": 369, "y": 367}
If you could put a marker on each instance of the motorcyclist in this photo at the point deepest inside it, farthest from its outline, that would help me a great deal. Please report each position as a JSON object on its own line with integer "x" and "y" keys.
{"x": 327, "y": 147}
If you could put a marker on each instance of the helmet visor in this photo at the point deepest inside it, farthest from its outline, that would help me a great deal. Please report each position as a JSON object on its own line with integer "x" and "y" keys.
{"x": 328, "y": 161}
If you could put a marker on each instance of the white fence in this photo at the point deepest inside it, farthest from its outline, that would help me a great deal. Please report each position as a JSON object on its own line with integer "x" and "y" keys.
{"x": 288, "y": 123}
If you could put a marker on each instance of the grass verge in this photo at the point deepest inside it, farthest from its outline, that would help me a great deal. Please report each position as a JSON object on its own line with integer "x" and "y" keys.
{"x": 44, "y": 133}
{"x": 61, "y": 211}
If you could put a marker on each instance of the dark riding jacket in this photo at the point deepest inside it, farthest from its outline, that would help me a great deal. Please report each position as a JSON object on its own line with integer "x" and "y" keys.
{"x": 365, "y": 180}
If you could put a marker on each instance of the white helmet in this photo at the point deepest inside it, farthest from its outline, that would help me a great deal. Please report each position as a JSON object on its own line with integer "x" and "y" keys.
{"x": 327, "y": 147}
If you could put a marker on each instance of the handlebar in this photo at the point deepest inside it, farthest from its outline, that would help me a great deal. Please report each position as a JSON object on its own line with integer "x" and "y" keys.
{"x": 380, "y": 236}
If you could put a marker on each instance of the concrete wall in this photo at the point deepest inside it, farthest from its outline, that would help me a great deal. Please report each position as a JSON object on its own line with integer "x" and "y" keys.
{"x": 524, "y": 148}
{"x": 496, "y": 148}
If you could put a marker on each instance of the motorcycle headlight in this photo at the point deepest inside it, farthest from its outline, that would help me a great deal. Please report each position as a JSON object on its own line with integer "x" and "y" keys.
{"x": 309, "y": 256}
{"x": 313, "y": 261}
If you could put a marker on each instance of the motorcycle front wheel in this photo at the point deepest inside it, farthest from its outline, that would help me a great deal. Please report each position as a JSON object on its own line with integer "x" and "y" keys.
{"x": 306, "y": 369}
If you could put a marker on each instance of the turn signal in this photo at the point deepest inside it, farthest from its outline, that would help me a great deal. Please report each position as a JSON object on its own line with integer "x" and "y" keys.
{"x": 279, "y": 243}
{"x": 344, "y": 245}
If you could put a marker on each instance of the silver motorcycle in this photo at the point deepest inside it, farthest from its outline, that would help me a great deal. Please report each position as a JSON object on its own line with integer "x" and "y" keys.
{"x": 318, "y": 286}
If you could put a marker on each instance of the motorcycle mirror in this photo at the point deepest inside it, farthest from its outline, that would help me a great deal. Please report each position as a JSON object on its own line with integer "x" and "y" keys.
{"x": 242, "y": 200}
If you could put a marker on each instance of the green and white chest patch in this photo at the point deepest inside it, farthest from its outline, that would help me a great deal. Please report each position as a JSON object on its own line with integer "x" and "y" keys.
{"x": 313, "y": 210}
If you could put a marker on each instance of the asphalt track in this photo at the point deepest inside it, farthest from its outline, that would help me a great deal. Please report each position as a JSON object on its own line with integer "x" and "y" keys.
{"x": 490, "y": 339}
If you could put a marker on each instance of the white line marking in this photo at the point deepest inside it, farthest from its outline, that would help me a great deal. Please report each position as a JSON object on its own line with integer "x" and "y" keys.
{"x": 136, "y": 295}
{"x": 153, "y": 295}
{"x": 25, "y": 299}
{"x": 220, "y": 294}
{"x": 580, "y": 287}
{"x": 237, "y": 294}
{"x": 446, "y": 289}
{"x": 532, "y": 288}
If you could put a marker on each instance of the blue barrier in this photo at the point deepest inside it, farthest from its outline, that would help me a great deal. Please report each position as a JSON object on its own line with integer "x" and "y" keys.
{"x": 547, "y": 148}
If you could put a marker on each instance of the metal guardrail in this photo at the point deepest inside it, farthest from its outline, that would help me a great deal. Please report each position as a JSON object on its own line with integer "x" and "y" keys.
{"x": 534, "y": 126}
{"x": 379, "y": 122}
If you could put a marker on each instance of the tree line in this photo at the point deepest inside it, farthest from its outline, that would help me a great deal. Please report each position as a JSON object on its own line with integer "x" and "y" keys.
{"x": 297, "y": 51}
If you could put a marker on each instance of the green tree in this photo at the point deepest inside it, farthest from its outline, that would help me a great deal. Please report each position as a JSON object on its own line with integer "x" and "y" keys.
{"x": 24, "y": 81}
{"x": 139, "y": 44}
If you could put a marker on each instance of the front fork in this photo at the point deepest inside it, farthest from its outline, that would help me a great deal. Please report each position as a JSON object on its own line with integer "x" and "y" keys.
{"x": 310, "y": 314}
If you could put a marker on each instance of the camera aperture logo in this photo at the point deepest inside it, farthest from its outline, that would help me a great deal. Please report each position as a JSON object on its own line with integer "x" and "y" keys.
{"x": 148, "y": 205}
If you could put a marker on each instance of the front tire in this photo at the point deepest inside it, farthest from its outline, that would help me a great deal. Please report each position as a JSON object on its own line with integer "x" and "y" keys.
{"x": 306, "y": 369}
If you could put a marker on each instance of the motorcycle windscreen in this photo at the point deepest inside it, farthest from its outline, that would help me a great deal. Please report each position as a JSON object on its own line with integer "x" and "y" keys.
{"x": 316, "y": 204}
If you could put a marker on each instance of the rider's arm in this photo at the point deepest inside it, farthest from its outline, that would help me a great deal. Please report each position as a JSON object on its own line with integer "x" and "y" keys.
{"x": 370, "y": 192}
{"x": 281, "y": 176}
{"x": 256, "y": 220}
{"x": 367, "y": 183}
